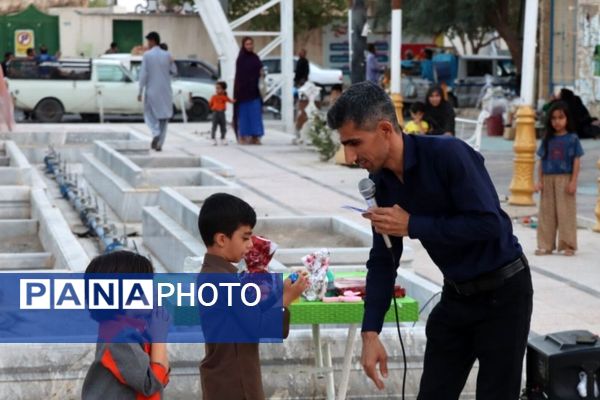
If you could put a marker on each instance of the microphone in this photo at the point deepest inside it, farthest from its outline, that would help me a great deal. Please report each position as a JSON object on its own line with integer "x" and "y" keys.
{"x": 366, "y": 187}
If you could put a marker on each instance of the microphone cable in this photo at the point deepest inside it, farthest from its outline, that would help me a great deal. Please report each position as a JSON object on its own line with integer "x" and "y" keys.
{"x": 393, "y": 256}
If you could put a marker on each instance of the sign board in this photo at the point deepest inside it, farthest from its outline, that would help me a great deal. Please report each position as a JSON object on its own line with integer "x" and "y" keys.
{"x": 24, "y": 39}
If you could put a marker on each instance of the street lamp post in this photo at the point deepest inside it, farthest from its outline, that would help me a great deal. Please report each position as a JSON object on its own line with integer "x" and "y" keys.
{"x": 521, "y": 186}
{"x": 395, "y": 57}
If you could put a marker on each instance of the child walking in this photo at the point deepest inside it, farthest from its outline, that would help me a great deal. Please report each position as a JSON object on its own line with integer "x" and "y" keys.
{"x": 218, "y": 104}
{"x": 127, "y": 365}
{"x": 559, "y": 153}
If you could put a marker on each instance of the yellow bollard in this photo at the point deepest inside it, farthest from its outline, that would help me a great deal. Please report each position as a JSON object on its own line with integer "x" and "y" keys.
{"x": 521, "y": 186}
{"x": 340, "y": 157}
{"x": 398, "y": 105}
{"x": 597, "y": 210}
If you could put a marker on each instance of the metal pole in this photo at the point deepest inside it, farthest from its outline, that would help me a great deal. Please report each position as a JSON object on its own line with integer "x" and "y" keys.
{"x": 395, "y": 59}
{"x": 529, "y": 46}
{"x": 350, "y": 36}
{"x": 358, "y": 43}
{"x": 350, "y": 340}
{"x": 287, "y": 64}
{"x": 521, "y": 186}
{"x": 182, "y": 106}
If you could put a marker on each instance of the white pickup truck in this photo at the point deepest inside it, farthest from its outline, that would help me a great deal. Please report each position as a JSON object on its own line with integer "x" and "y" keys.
{"x": 87, "y": 87}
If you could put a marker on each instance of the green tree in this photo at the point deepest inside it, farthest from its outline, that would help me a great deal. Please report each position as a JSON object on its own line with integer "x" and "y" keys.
{"x": 471, "y": 21}
{"x": 98, "y": 3}
{"x": 308, "y": 14}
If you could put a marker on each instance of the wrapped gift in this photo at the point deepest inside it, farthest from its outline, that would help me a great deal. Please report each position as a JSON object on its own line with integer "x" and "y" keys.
{"x": 358, "y": 285}
{"x": 316, "y": 264}
{"x": 260, "y": 255}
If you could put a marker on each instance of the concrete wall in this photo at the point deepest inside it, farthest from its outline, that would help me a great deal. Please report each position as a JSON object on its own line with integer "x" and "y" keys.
{"x": 572, "y": 39}
{"x": 89, "y": 34}
{"x": 35, "y": 371}
{"x": 587, "y": 85}
{"x": 55, "y": 234}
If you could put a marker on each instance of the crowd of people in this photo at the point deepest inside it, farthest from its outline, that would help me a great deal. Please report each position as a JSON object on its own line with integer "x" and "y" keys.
{"x": 31, "y": 55}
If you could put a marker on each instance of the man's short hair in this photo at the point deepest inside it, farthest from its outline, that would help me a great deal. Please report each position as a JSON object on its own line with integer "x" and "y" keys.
{"x": 223, "y": 213}
{"x": 364, "y": 104}
{"x": 154, "y": 36}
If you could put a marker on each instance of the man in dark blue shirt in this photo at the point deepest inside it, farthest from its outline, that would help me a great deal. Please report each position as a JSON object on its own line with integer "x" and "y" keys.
{"x": 437, "y": 190}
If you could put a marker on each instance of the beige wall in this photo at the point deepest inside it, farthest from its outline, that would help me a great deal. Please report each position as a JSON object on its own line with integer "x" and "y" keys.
{"x": 91, "y": 34}
{"x": 588, "y": 37}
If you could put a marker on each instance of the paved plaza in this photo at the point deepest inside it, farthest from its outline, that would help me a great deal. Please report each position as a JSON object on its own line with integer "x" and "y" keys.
{"x": 280, "y": 179}
{"x": 284, "y": 180}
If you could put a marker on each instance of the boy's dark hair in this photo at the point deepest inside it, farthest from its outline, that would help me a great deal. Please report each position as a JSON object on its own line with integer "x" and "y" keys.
{"x": 117, "y": 262}
{"x": 30, "y": 51}
{"x": 364, "y": 104}
{"x": 222, "y": 84}
{"x": 43, "y": 49}
{"x": 223, "y": 213}
{"x": 8, "y": 54}
{"x": 120, "y": 262}
{"x": 417, "y": 107}
{"x": 371, "y": 48}
{"x": 113, "y": 45}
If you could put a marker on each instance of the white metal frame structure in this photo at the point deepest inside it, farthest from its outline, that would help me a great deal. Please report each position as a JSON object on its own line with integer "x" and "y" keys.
{"x": 222, "y": 34}
{"x": 471, "y": 130}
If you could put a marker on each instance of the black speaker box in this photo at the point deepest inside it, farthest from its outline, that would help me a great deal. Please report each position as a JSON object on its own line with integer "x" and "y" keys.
{"x": 555, "y": 361}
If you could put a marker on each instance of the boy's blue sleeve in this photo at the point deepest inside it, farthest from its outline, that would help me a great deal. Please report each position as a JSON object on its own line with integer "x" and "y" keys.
{"x": 540, "y": 151}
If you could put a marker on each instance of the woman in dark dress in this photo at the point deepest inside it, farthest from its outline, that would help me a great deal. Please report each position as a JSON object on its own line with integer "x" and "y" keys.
{"x": 248, "y": 102}
{"x": 439, "y": 113}
{"x": 586, "y": 126}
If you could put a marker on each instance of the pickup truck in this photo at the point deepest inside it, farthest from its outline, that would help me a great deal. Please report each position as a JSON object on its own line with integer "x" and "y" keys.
{"x": 196, "y": 76}
{"x": 49, "y": 90}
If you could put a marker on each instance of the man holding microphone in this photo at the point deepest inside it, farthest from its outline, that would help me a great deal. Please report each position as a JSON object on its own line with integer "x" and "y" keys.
{"x": 437, "y": 190}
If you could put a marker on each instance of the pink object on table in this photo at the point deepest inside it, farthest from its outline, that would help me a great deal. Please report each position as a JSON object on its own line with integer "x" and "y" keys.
{"x": 331, "y": 299}
{"x": 350, "y": 299}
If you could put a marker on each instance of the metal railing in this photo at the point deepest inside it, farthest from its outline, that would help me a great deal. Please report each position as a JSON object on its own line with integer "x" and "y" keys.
{"x": 471, "y": 130}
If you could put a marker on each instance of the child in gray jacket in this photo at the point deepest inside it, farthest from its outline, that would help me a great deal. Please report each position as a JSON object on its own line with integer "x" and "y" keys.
{"x": 127, "y": 366}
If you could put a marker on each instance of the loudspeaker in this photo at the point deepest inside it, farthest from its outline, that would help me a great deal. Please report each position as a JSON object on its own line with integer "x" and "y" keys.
{"x": 554, "y": 364}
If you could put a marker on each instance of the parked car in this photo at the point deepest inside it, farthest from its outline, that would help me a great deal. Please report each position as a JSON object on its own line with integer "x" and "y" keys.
{"x": 471, "y": 76}
{"x": 196, "y": 70}
{"x": 465, "y": 76}
{"x": 196, "y": 76}
{"x": 322, "y": 77}
{"x": 81, "y": 86}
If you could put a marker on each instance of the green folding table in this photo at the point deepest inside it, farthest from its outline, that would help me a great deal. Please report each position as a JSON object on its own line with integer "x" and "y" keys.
{"x": 319, "y": 313}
